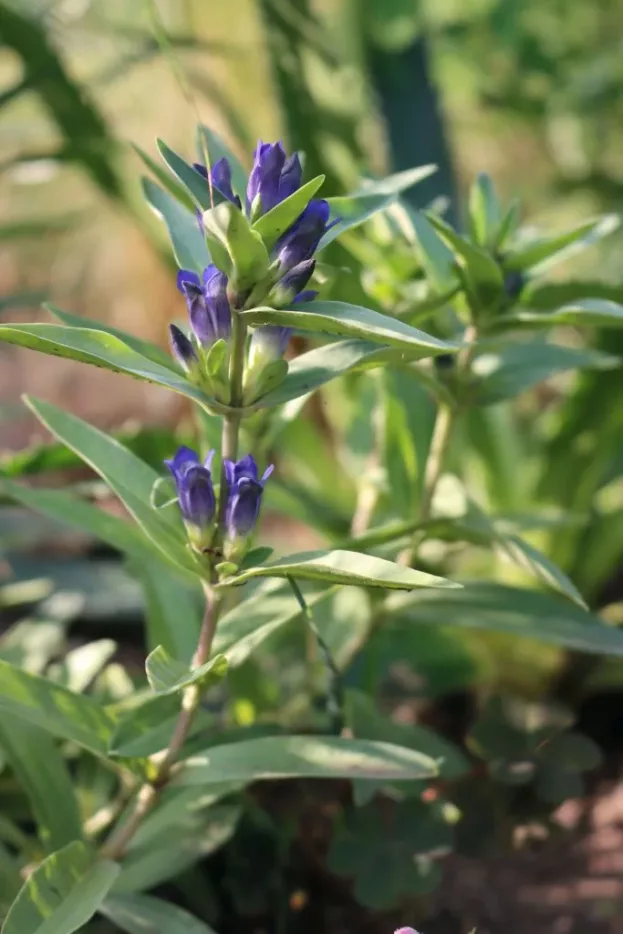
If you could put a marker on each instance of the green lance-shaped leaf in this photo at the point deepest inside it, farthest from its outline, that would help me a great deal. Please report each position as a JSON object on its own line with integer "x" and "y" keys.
{"x": 274, "y": 757}
{"x": 127, "y": 475}
{"x": 55, "y": 709}
{"x": 169, "y": 854}
{"x": 170, "y": 185}
{"x": 485, "y": 213}
{"x": 351, "y": 211}
{"x": 528, "y": 613}
{"x": 505, "y": 372}
{"x": 154, "y": 353}
{"x": 144, "y": 914}
{"x": 62, "y": 894}
{"x": 189, "y": 246}
{"x": 313, "y": 369}
{"x": 228, "y": 229}
{"x": 367, "y": 722}
{"x": 345, "y": 320}
{"x": 217, "y": 149}
{"x": 343, "y": 567}
{"x": 192, "y": 181}
{"x": 62, "y": 507}
{"x": 543, "y": 253}
{"x": 167, "y": 675}
{"x": 44, "y": 777}
{"x": 172, "y": 608}
{"x": 482, "y": 274}
{"x": 104, "y": 350}
{"x": 590, "y": 312}
{"x": 436, "y": 258}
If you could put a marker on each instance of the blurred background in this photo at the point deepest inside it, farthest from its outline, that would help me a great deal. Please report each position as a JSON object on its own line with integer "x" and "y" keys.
{"x": 520, "y": 89}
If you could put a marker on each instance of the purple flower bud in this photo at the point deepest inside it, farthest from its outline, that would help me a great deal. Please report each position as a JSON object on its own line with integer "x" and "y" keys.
{"x": 220, "y": 176}
{"x": 299, "y": 243}
{"x": 265, "y": 178}
{"x": 244, "y": 498}
{"x": 195, "y": 493}
{"x": 291, "y": 177}
{"x": 285, "y": 292}
{"x": 183, "y": 350}
{"x": 268, "y": 343}
{"x": 208, "y": 307}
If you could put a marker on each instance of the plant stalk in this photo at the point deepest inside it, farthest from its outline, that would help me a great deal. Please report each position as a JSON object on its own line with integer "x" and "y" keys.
{"x": 440, "y": 444}
{"x": 148, "y": 794}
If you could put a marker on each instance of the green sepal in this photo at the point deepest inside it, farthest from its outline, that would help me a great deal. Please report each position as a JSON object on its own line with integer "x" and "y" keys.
{"x": 236, "y": 248}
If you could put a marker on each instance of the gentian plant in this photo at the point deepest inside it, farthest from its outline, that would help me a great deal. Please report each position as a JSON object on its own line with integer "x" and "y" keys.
{"x": 248, "y": 248}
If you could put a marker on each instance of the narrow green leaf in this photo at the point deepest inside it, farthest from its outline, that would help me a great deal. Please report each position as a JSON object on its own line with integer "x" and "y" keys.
{"x": 505, "y": 372}
{"x": 104, "y": 350}
{"x": 482, "y": 273}
{"x": 144, "y": 348}
{"x": 313, "y": 369}
{"x": 62, "y": 894}
{"x": 173, "y": 614}
{"x": 127, "y": 475}
{"x": 60, "y": 506}
{"x": 543, "y": 253}
{"x": 397, "y": 183}
{"x": 144, "y": 914}
{"x": 167, "y": 675}
{"x": 217, "y": 149}
{"x": 484, "y": 211}
{"x": 595, "y": 312}
{"x": 169, "y": 184}
{"x": 346, "y": 320}
{"x": 55, "y": 709}
{"x": 344, "y": 567}
{"x": 539, "y": 565}
{"x": 275, "y": 757}
{"x": 188, "y": 243}
{"x": 366, "y": 722}
{"x": 192, "y": 181}
{"x": 169, "y": 854}
{"x": 351, "y": 211}
{"x": 510, "y": 609}
{"x": 43, "y": 776}
{"x": 275, "y": 222}
{"x": 434, "y": 255}
{"x": 145, "y": 728}
{"x": 180, "y": 810}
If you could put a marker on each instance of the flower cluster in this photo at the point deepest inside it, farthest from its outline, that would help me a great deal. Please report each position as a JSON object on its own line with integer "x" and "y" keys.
{"x": 198, "y": 503}
{"x": 290, "y": 266}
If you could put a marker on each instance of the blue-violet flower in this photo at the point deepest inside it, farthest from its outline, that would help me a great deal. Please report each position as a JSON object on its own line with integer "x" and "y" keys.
{"x": 195, "y": 494}
{"x": 244, "y": 498}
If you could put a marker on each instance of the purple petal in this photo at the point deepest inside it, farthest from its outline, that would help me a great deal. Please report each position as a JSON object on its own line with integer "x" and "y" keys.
{"x": 291, "y": 177}
{"x": 183, "y": 350}
{"x": 182, "y": 460}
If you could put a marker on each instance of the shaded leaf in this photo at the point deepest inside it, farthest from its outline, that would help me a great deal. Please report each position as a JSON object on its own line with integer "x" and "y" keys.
{"x": 275, "y": 757}
{"x": 344, "y": 567}
{"x": 167, "y": 675}
{"x": 511, "y": 609}
{"x": 144, "y": 914}
{"x": 62, "y": 894}
{"x": 346, "y": 320}
{"x": 55, "y": 709}
{"x": 188, "y": 243}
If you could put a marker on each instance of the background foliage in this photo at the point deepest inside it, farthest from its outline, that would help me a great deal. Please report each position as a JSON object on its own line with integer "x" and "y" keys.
{"x": 522, "y": 91}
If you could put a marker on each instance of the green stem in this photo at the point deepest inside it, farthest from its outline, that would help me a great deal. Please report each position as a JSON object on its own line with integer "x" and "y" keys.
{"x": 149, "y": 792}
{"x": 440, "y": 445}
{"x": 231, "y": 421}
{"x": 335, "y": 698}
